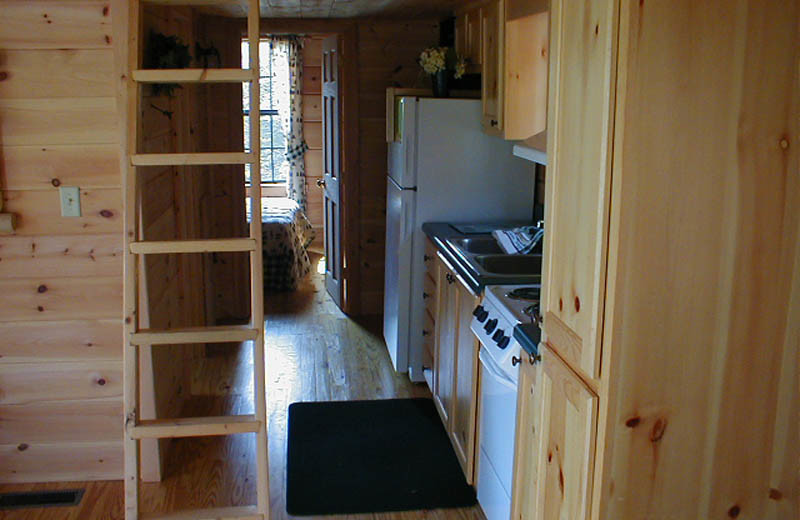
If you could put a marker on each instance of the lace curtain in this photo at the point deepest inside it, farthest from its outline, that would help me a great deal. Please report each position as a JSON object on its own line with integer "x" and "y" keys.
{"x": 293, "y": 124}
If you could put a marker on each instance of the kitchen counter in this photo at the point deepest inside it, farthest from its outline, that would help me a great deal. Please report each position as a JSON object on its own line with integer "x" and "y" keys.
{"x": 440, "y": 232}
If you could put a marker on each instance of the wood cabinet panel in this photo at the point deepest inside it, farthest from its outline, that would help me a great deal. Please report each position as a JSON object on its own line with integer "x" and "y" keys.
{"x": 465, "y": 393}
{"x": 528, "y": 495}
{"x": 492, "y": 67}
{"x": 446, "y": 324}
{"x": 577, "y": 199}
{"x": 526, "y": 49}
{"x": 566, "y": 459}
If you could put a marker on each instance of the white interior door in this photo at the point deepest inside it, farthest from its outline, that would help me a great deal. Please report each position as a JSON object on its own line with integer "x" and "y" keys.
{"x": 331, "y": 153}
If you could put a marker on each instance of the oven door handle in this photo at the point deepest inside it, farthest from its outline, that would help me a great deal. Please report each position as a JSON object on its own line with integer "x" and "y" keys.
{"x": 495, "y": 371}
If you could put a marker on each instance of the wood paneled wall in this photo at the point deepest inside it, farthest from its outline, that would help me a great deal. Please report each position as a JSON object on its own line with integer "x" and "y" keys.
{"x": 387, "y": 57}
{"x": 60, "y": 278}
{"x": 312, "y": 129}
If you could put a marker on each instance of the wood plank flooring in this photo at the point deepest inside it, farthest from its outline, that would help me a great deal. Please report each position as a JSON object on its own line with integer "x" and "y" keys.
{"x": 314, "y": 353}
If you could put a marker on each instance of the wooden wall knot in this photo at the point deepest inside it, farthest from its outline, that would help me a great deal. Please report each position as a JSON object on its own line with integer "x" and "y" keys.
{"x": 633, "y": 422}
{"x": 41, "y": 289}
{"x": 56, "y": 182}
{"x": 22, "y": 447}
{"x": 3, "y": 75}
{"x": 775, "y": 494}
{"x": 658, "y": 430}
{"x": 734, "y": 511}
{"x": 107, "y": 213}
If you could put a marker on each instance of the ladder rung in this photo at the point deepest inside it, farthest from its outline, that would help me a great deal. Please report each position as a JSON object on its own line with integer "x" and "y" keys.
{"x": 192, "y": 75}
{"x": 192, "y": 159}
{"x": 220, "y": 513}
{"x": 224, "y": 334}
{"x": 212, "y": 245}
{"x": 195, "y": 427}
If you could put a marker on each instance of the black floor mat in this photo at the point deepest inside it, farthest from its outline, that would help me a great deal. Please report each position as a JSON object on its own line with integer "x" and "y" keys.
{"x": 371, "y": 456}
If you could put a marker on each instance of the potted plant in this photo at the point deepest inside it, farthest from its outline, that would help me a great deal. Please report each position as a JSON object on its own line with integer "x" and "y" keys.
{"x": 438, "y": 62}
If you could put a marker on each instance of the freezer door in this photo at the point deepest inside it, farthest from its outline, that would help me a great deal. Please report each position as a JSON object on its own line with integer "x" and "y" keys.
{"x": 397, "y": 284}
{"x": 402, "y": 153}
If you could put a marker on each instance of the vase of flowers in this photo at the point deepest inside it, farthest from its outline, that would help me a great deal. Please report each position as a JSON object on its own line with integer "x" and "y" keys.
{"x": 439, "y": 62}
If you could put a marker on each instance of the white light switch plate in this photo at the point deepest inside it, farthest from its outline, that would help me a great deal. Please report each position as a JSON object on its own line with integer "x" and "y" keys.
{"x": 70, "y": 201}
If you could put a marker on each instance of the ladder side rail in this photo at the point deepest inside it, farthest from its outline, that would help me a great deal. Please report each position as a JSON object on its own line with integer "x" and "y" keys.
{"x": 128, "y": 47}
{"x": 256, "y": 260}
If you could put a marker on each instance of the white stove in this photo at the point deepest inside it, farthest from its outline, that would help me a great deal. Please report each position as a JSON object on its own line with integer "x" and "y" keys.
{"x": 493, "y": 322}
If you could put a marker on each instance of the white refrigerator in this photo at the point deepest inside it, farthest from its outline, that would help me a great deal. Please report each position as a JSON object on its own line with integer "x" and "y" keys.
{"x": 442, "y": 168}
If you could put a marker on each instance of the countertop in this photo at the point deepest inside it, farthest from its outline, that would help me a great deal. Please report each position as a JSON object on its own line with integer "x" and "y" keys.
{"x": 439, "y": 232}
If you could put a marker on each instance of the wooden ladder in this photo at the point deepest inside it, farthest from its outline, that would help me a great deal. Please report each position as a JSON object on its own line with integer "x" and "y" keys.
{"x": 136, "y": 428}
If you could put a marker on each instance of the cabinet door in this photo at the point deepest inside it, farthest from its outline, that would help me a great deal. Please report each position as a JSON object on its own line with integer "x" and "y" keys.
{"x": 492, "y": 64}
{"x": 582, "y": 71}
{"x": 472, "y": 23}
{"x": 445, "y": 344}
{"x": 566, "y": 458}
{"x": 528, "y": 494}
{"x": 466, "y": 368}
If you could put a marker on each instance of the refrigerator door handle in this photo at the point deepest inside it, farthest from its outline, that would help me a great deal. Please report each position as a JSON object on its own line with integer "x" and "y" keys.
{"x": 406, "y": 221}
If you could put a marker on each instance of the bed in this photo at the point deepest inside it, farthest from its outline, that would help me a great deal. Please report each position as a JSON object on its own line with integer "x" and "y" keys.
{"x": 286, "y": 234}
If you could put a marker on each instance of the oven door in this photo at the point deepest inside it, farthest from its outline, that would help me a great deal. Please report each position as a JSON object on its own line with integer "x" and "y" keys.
{"x": 498, "y": 411}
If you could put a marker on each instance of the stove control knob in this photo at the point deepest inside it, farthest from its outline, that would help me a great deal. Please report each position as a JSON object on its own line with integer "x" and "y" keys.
{"x": 498, "y": 334}
{"x": 504, "y": 341}
{"x": 478, "y": 311}
{"x": 484, "y": 315}
{"x": 490, "y": 325}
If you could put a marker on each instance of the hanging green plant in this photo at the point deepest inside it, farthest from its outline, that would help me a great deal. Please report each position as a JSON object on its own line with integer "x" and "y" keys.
{"x": 166, "y": 52}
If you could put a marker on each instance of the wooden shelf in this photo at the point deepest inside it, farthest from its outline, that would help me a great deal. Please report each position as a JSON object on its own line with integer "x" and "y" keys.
{"x": 216, "y": 245}
{"x": 195, "y": 427}
{"x": 193, "y": 75}
{"x": 225, "y": 334}
{"x": 191, "y": 159}
{"x": 219, "y": 513}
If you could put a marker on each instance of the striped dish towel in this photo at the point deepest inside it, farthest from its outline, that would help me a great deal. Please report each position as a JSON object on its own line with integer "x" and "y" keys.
{"x": 519, "y": 240}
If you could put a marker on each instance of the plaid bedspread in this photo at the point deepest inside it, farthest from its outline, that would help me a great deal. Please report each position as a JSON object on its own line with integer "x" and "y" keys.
{"x": 286, "y": 234}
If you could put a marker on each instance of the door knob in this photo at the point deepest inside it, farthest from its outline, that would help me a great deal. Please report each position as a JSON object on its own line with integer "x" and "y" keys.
{"x": 321, "y": 183}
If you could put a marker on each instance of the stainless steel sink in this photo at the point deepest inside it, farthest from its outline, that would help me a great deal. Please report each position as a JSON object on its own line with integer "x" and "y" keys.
{"x": 510, "y": 264}
{"x": 482, "y": 255}
{"x": 481, "y": 245}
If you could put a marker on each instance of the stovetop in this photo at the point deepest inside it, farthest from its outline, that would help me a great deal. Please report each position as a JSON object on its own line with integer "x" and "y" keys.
{"x": 505, "y": 298}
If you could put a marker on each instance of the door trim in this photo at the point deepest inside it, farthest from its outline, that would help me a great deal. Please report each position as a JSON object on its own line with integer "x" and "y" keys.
{"x": 349, "y": 183}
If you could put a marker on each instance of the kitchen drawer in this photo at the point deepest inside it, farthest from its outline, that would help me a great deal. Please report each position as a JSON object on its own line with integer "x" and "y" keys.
{"x": 430, "y": 258}
{"x": 429, "y": 294}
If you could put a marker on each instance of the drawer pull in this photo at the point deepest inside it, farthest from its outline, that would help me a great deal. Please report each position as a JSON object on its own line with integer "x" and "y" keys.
{"x": 425, "y": 333}
{"x": 425, "y": 296}
{"x": 450, "y": 278}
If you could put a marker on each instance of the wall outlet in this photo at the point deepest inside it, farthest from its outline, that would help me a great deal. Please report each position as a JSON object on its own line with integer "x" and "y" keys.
{"x": 70, "y": 201}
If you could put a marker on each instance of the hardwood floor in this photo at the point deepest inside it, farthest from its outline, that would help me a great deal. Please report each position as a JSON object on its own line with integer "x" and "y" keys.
{"x": 314, "y": 353}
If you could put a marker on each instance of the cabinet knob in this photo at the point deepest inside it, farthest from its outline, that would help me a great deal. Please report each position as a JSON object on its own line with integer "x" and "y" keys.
{"x": 425, "y": 333}
{"x": 425, "y": 296}
{"x": 515, "y": 361}
{"x": 320, "y": 183}
{"x": 493, "y": 122}
{"x": 534, "y": 358}
{"x": 450, "y": 278}
{"x": 426, "y": 258}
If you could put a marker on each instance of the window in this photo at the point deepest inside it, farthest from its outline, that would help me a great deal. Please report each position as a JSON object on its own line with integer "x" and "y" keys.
{"x": 274, "y": 81}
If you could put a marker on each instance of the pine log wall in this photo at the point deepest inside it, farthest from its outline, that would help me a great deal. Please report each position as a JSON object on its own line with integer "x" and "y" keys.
{"x": 312, "y": 130}
{"x": 387, "y": 57}
{"x": 60, "y": 278}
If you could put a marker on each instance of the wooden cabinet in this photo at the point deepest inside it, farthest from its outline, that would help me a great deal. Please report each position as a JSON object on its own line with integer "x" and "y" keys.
{"x": 466, "y": 369}
{"x": 492, "y": 66}
{"x": 468, "y": 38}
{"x": 672, "y": 278}
{"x": 527, "y": 494}
{"x": 577, "y": 197}
{"x": 509, "y": 38}
{"x": 455, "y": 360}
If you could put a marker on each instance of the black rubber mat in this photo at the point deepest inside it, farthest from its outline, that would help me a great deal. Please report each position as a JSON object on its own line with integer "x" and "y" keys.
{"x": 371, "y": 456}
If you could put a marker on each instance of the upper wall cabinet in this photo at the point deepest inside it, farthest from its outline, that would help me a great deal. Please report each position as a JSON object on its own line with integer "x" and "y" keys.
{"x": 513, "y": 39}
